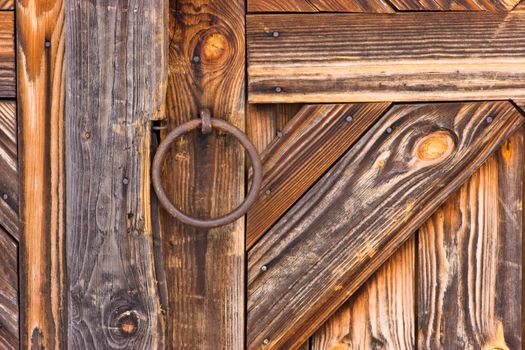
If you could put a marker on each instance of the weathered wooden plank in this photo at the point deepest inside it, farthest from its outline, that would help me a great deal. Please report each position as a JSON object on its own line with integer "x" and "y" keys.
{"x": 378, "y": 6}
{"x": 362, "y": 210}
{"x": 205, "y": 176}
{"x": 7, "y": 54}
{"x": 116, "y": 84}
{"x": 520, "y": 7}
{"x": 309, "y": 144}
{"x": 454, "y": 5}
{"x": 265, "y": 123}
{"x": 471, "y": 258}
{"x": 40, "y": 55}
{"x": 8, "y": 169}
{"x": 381, "y": 314}
{"x": 401, "y": 57}
{"x": 7, "y": 4}
{"x": 8, "y": 292}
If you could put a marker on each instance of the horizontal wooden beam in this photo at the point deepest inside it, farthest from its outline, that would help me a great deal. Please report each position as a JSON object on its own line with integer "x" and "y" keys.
{"x": 379, "y": 6}
{"x": 400, "y": 57}
{"x": 362, "y": 210}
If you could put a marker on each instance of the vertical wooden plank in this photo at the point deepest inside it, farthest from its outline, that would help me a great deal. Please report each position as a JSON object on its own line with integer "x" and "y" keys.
{"x": 116, "y": 80}
{"x": 380, "y": 315}
{"x": 40, "y": 54}
{"x": 470, "y": 260}
{"x": 8, "y": 292}
{"x": 205, "y": 176}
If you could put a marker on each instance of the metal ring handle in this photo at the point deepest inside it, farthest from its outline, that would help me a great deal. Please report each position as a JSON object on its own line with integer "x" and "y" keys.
{"x": 162, "y": 151}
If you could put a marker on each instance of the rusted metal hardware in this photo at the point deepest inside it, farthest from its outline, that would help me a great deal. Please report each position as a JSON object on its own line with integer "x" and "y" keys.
{"x": 206, "y": 123}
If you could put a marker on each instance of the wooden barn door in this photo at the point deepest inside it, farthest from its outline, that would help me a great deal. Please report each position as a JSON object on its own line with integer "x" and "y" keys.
{"x": 389, "y": 215}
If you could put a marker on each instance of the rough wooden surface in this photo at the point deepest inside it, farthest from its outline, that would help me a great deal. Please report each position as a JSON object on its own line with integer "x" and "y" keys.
{"x": 7, "y": 4}
{"x": 7, "y": 54}
{"x": 265, "y": 122}
{"x": 116, "y": 84}
{"x": 454, "y": 5}
{"x": 205, "y": 176}
{"x": 471, "y": 258}
{"x": 8, "y": 169}
{"x": 378, "y": 6}
{"x": 381, "y": 314}
{"x": 40, "y": 136}
{"x": 520, "y": 7}
{"x": 8, "y": 292}
{"x": 318, "y": 254}
{"x": 309, "y": 144}
{"x": 399, "y": 57}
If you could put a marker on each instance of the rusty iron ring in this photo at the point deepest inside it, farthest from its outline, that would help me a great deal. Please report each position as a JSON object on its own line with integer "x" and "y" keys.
{"x": 162, "y": 151}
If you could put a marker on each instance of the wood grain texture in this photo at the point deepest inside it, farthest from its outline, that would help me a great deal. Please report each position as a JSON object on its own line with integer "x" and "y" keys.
{"x": 454, "y": 5}
{"x": 362, "y": 210}
{"x": 7, "y": 54}
{"x": 204, "y": 176}
{"x": 40, "y": 99}
{"x": 8, "y": 292}
{"x": 399, "y": 57}
{"x": 520, "y": 7}
{"x": 7, "y": 4}
{"x": 265, "y": 122}
{"x": 116, "y": 84}
{"x": 309, "y": 144}
{"x": 470, "y": 260}
{"x": 378, "y": 6}
{"x": 381, "y": 314}
{"x": 8, "y": 169}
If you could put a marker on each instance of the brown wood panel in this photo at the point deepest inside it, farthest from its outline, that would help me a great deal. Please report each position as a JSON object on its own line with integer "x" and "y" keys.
{"x": 454, "y": 5}
{"x": 520, "y": 7}
{"x": 401, "y": 57}
{"x": 379, "y": 6}
{"x": 265, "y": 122}
{"x": 381, "y": 314}
{"x": 7, "y": 54}
{"x": 7, "y": 4}
{"x": 362, "y": 210}
{"x": 116, "y": 84}
{"x": 470, "y": 260}
{"x": 8, "y": 292}
{"x": 309, "y": 144}
{"x": 205, "y": 176}
{"x": 8, "y": 168}
{"x": 40, "y": 136}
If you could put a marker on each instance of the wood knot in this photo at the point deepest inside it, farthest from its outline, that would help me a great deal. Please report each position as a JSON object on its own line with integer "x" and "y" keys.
{"x": 434, "y": 147}
{"x": 128, "y": 323}
{"x": 215, "y": 48}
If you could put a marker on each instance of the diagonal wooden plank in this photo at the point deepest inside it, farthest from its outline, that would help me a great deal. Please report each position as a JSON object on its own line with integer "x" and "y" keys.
{"x": 7, "y": 53}
{"x": 309, "y": 144}
{"x": 520, "y": 7}
{"x": 470, "y": 260}
{"x": 8, "y": 292}
{"x": 381, "y": 314}
{"x": 454, "y": 5}
{"x": 362, "y": 210}
{"x": 398, "y": 57}
{"x": 319, "y": 6}
{"x": 8, "y": 168}
{"x": 7, "y": 4}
